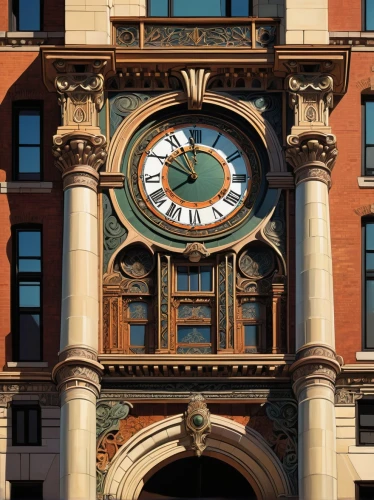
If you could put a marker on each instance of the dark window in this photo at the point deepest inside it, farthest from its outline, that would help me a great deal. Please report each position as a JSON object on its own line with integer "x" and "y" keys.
{"x": 27, "y": 120}
{"x": 27, "y": 310}
{"x": 251, "y": 319}
{"x": 199, "y": 8}
{"x": 27, "y": 15}
{"x": 138, "y": 322}
{"x": 365, "y": 422}
{"x": 369, "y": 285}
{"x": 194, "y": 279}
{"x": 364, "y": 491}
{"x": 26, "y": 424}
{"x": 369, "y": 15}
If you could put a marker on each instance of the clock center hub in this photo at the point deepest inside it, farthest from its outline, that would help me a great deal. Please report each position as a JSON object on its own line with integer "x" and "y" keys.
{"x": 196, "y": 174}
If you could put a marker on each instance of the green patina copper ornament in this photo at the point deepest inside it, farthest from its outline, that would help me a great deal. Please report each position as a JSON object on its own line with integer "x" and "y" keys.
{"x": 198, "y": 420}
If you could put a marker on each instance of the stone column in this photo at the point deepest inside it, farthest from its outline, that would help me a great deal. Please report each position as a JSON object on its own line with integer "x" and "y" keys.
{"x": 79, "y": 155}
{"x": 312, "y": 155}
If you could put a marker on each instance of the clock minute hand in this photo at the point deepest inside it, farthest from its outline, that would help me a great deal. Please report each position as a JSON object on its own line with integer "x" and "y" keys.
{"x": 180, "y": 164}
{"x": 193, "y": 144}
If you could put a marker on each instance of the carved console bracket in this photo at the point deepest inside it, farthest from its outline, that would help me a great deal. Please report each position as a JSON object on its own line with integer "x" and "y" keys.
{"x": 197, "y": 421}
{"x": 195, "y": 252}
{"x": 79, "y": 155}
{"x": 195, "y": 81}
{"x": 312, "y": 156}
{"x": 315, "y": 362}
{"x": 310, "y": 97}
{"x": 81, "y": 96}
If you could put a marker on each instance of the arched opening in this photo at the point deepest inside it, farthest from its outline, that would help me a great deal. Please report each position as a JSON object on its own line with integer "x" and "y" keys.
{"x": 197, "y": 478}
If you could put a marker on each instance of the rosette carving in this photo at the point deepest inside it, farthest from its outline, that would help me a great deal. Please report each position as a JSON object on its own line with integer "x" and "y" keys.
{"x": 81, "y": 155}
{"x": 312, "y": 156}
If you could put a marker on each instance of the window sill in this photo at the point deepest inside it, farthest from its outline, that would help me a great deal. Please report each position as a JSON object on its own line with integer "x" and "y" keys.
{"x": 25, "y": 187}
{"x": 365, "y": 356}
{"x": 27, "y": 364}
{"x": 29, "y": 38}
{"x": 366, "y": 182}
{"x": 361, "y": 449}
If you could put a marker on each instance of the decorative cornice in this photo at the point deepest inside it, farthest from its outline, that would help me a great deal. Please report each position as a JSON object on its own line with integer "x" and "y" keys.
{"x": 79, "y": 155}
{"x": 312, "y": 156}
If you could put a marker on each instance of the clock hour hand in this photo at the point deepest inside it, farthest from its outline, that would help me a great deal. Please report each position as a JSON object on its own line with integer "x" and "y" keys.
{"x": 180, "y": 164}
{"x": 192, "y": 142}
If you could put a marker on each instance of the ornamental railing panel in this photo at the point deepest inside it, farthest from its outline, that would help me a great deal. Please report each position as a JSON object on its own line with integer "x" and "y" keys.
{"x": 170, "y": 33}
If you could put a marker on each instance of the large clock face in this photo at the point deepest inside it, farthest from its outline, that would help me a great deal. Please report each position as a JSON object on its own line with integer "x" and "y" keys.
{"x": 196, "y": 175}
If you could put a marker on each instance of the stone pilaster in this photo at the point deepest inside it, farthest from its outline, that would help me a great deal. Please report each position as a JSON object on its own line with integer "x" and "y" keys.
{"x": 312, "y": 155}
{"x": 79, "y": 155}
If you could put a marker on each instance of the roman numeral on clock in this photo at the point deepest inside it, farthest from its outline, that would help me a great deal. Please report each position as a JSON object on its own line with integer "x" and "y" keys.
{"x": 172, "y": 139}
{"x": 158, "y": 197}
{"x": 239, "y": 178}
{"x": 153, "y": 155}
{"x": 232, "y": 198}
{"x": 217, "y": 215}
{"x": 196, "y": 134}
{"x": 153, "y": 178}
{"x": 217, "y": 139}
{"x": 233, "y": 156}
{"x": 194, "y": 217}
{"x": 174, "y": 212}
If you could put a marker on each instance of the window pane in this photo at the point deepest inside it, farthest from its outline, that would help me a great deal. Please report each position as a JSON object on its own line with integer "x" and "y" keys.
{"x": 29, "y": 294}
{"x": 138, "y": 310}
{"x": 29, "y": 126}
{"x": 29, "y": 159}
{"x": 369, "y": 15}
{"x": 29, "y": 15}
{"x": 367, "y": 420}
{"x": 251, "y": 335}
{"x": 159, "y": 8}
{"x": 194, "y": 279}
{"x": 251, "y": 310}
{"x": 33, "y": 426}
{"x": 182, "y": 278}
{"x": 198, "y": 8}
{"x": 206, "y": 278}
{"x": 240, "y": 8}
{"x": 20, "y": 426}
{"x": 194, "y": 334}
{"x": 29, "y": 337}
{"x": 370, "y": 314}
{"x": 29, "y": 265}
{"x": 29, "y": 243}
{"x": 367, "y": 437}
{"x": 137, "y": 335}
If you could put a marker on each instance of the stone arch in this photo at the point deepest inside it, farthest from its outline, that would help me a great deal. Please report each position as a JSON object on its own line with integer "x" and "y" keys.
{"x": 261, "y": 126}
{"x": 160, "y": 443}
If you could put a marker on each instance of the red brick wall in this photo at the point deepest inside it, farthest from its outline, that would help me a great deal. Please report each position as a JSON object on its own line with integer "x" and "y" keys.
{"x": 345, "y": 15}
{"x": 22, "y": 80}
{"x": 345, "y": 197}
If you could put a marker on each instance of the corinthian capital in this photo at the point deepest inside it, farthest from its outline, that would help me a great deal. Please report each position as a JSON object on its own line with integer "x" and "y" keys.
{"x": 312, "y": 156}
{"x": 79, "y": 156}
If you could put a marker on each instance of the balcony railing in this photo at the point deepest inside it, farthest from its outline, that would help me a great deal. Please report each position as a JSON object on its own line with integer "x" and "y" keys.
{"x": 239, "y": 33}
